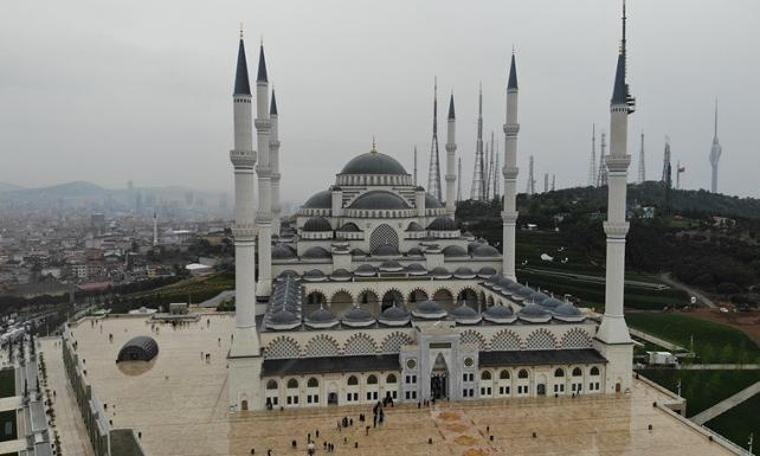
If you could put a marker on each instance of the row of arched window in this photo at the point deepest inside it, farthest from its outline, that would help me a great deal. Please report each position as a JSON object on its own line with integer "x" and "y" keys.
{"x": 523, "y": 373}
{"x": 313, "y": 382}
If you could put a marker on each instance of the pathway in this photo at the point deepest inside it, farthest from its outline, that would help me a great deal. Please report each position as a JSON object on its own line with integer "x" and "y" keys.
{"x": 665, "y": 277}
{"x": 727, "y": 404}
{"x": 656, "y": 340}
{"x": 718, "y": 366}
{"x": 594, "y": 278}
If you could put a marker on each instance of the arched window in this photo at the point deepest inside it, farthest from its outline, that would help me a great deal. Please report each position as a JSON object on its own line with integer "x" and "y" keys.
{"x": 292, "y": 383}
{"x": 313, "y": 382}
{"x": 485, "y": 375}
{"x": 372, "y": 380}
{"x": 352, "y": 380}
{"x": 559, "y": 373}
{"x": 271, "y": 385}
{"x": 390, "y": 379}
{"x": 504, "y": 375}
{"x": 594, "y": 370}
{"x": 577, "y": 372}
{"x": 522, "y": 374}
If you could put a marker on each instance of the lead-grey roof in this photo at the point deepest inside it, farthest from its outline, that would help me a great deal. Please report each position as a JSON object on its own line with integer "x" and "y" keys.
{"x": 379, "y": 199}
{"x": 394, "y": 313}
{"x": 443, "y": 223}
{"x": 317, "y": 224}
{"x": 319, "y": 200}
{"x": 329, "y": 364}
{"x": 262, "y": 76}
{"x": 373, "y": 163}
{"x": 431, "y": 202}
{"x": 620, "y": 89}
{"x": 485, "y": 250}
{"x": 317, "y": 252}
{"x": 386, "y": 250}
{"x": 463, "y": 272}
{"x": 350, "y": 227}
{"x": 512, "y": 84}
{"x": 414, "y": 226}
{"x": 145, "y": 348}
{"x": 321, "y": 315}
{"x": 242, "y": 85}
{"x": 273, "y": 105}
{"x": 451, "y": 107}
{"x": 539, "y": 357}
{"x": 486, "y": 272}
{"x": 282, "y": 252}
{"x": 358, "y": 314}
{"x": 454, "y": 251}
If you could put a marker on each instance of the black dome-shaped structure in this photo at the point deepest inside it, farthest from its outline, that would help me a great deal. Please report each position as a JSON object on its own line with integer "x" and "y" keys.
{"x": 140, "y": 348}
{"x": 314, "y": 275}
{"x": 358, "y": 317}
{"x": 465, "y": 315}
{"x": 391, "y": 266}
{"x": 534, "y": 313}
{"x": 340, "y": 275}
{"x": 373, "y": 163}
{"x": 288, "y": 273}
{"x": 443, "y": 223}
{"x": 454, "y": 251}
{"x": 365, "y": 270}
{"x": 379, "y": 199}
{"x": 440, "y": 273}
{"x": 414, "y": 251}
{"x": 317, "y": 252}
{"x": 463, "y": 272}
{"x": 394, "y": 316}
{"x": 350, "y": 227}
{"x": 283, "y": 319}
{"x": 414, "y": 226}
{"x": 320, "y": 200}
{"x": 416, "y": 269}
{"x": 283, "y": 252}
{"x": 386, "y": 250}
{"x": 358, "y": 252}
{"x": 538, "y": 297}
{"x": 431, "y": 202}
{"x": 499, "y": 314}
{"x": 552, "y": 303}
{"x": 317, "y": 224}
{"x": 429, "y": 310}
{"x": 320, "y": 319}
{"x": 485, "y": 250}
{"x": 486, "y": 272}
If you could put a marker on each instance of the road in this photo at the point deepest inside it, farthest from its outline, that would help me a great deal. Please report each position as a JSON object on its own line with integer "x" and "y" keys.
{"x": 594, "y": 278}
{"x": 726, "y": 404}
{"x": 707, "y": 302}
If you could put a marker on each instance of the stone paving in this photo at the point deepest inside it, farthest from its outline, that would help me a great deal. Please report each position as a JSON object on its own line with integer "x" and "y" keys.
{"x": 179, "y": 405}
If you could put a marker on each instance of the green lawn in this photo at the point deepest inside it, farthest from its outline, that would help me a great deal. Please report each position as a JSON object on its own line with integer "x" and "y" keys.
{"x": 7, "y": 382}
{"x": 7, "y": 425}
{"x": 702, "y": 389}
{"x": 713, "y": 343}
{"x": 737, "y": 424}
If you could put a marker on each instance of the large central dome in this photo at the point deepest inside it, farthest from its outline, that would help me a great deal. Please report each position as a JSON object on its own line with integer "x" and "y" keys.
{"x": 373, "y": 163}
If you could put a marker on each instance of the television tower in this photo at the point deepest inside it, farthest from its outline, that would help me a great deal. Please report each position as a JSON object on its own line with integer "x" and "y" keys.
{"x": 602, "y": 175}
{"x": 531, "y": 181}
{"x": 554, "y": 182}
{"x": 592, "y": 166}
{"x": 642, "y": 163}
{"x": 434, "y": 171}
{"x": 546, "y": 182}
{"x": 477, "y": 191}
{"x": 666, "y": 176}
{"x": 679, "y": 170}
{"x": 715, "y": 153}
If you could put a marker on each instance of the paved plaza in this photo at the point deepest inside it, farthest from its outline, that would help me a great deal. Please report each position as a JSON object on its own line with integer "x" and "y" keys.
{"x": 178, "y": 403}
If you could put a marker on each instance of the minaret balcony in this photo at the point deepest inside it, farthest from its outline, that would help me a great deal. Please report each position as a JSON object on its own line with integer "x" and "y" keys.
{"x": 243, "y": 158}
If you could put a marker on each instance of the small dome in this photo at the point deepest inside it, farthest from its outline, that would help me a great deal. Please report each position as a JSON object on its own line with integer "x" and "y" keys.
{"x": 314, "y": 275}
{"x": 538, "y": 297}
{"x": 379, "y": 199}
{"x": 443, "y": 223}
{"x": 552, "y": 303}
{"x": 431, "y": 202}
{"x": 373, "y": 163}
{"x": 357, "y": 317}
{"x": 320, "y": 200}
{"x": 429, "y": 310}
{"x": 340, "y": 275}
{"x": 463, "y": 272}
{"x": 283, "y": 252}
{"x": 288, "y": 273}
{"x": 486, "y": 272}
{"x": 317, "y": 252}
{"x": 414, "y": 226}
{"x": 473, "y": 245}
{"x": 350, "y": 227}
{"x": 440, "y": 273}
{"x": 140, "y": 348}
{"x": 568, "y": 312}
{"x": 394, "y": 316}
{"x": 391, "y": 266}
{"x": 465, "y": 315}
{"x": 416, "y": 269}
{"x": 365, "y": 270}
{"x": 499, "y": 314}
{"x": 358, "y": 252}
{"x": 283, "y": 319}
{"x": 386, "y": 250}
{"x": 317, "y": 224}
{"x": 454, "y": 251}
{"x": 485, "y": 250}
{"x": 321, "y": 318}
{"x": 520, "y": 294}
{"x": 534, "y": 313}
{"x": 414, "y": 251}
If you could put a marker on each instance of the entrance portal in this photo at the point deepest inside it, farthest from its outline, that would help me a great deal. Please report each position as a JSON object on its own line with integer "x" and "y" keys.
{"x": 439, "y": 378}
{"x": 332, "y": 399}
{"x": 541, "y": 389}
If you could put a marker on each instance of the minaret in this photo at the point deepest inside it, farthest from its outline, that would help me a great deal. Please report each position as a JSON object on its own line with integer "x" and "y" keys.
{"x": 614, "y": 340}
{"x": 477, "y": 188}
{"x": 510, "y": 171}
{"x": 264, "y": 171}
{"x": 451, "y": 148}
{"x": 531, "y": 181}
{"x": 554, "y": 182}
{"x": 243, "y": 159}
{"x": 274, "y": 155}
{"x": 459, "y": 179}
{"x": 491, "y": 168}
{"x": 592, "y": 166}
{"x": 155, "y": 229}
{"x": 602, "y": 176}
{"x": 496, "y": 188}
{"x": 642, "y": 163}
{"x": 434, "y": 170}
{"x": 546, "y": 182}
{"x": 715, "y": 152}
{"x": 415, "y": 165}
{"x": 666, "y": 175}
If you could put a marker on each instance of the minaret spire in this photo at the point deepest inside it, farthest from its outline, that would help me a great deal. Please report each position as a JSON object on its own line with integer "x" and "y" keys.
{"x": 451, "y": 148}
{"x": 509, "y": 172}
{"x": 274, "y": 152}
{"x": 478, "y": 179}
{"x": 434, "y": 170}
{"x": 264, "y": 170}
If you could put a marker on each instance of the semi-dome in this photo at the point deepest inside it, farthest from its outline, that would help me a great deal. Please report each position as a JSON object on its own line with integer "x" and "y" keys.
{"x": 358, "y": 317}
{"x": 429, "y": 310}
{"x": 454, "y": 251}
{"x": 317, "y": 252}
{"x": 391, "y": 266}
{"x": 282, "y": 320}
{"x": 414, "y": 251}
{"x": 358, "y": 252}
{"x": 486, "y": 272}
{"x": 340, "y": 275}
{"x": 465, "y": 315}
{"x": 534, "y": 313}
{"x": 321, "y": 318}
{"x": 394, "y": 316}
{"x": 386, "y": 250}
{"x": 288, "y": 273}
{"x": 499, "y": 314}
{"x": 443, "y": 223}
{"x": 416, "y": 269}
{"x": 317, "y": 224}
{"x": 463, "y": 272}
{"x": 440, "y": 273}
{"x": 485, "y": 250}
{"x": 283, "y": 252}
{"x": 567, "y": 312}
{"x": 379, "y": 199}
{"x": 320, "y": 200}
{"x": 350, "y": 227}
{"x": 365, "y": 270}
{"x": 431, "y": 202}
{"x": 373, "y": 163}
{"x": 414, "y": 226}
{"x": 314, "y": 275}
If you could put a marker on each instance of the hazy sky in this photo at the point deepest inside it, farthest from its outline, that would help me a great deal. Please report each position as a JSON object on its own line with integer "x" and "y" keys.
{"x": 110, "y": 91}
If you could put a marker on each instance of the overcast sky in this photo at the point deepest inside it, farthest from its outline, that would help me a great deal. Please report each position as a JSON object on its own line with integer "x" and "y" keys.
{"x": 108, "y": 91}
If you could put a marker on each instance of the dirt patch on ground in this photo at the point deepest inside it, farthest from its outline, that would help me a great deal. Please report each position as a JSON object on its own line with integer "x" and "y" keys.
{"x": 456, "y": 427}
{"x": 746, "y": 322}
{"x": 449, "y": 416}
{"x": 465, "y": 440}
{"x": 474, "y": 452}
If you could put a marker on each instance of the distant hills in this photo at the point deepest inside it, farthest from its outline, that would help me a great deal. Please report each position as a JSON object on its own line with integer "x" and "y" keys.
{"x": 70, "y": 189}
{"x": 5, "y": 187}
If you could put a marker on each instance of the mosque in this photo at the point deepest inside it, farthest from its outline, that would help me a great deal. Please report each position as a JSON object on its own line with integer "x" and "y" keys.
{"x": 376, "y": 294}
